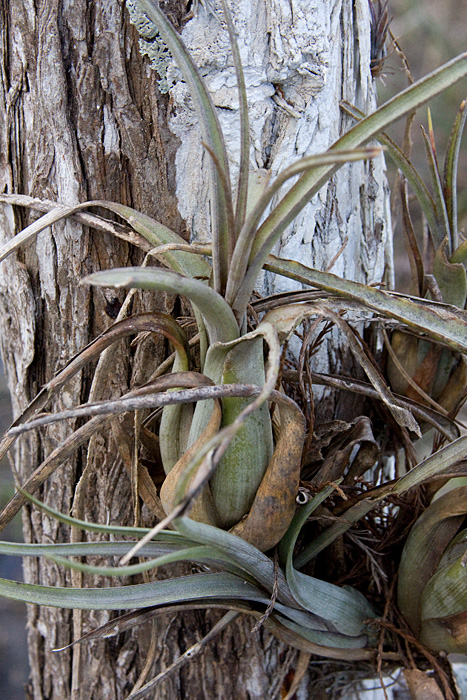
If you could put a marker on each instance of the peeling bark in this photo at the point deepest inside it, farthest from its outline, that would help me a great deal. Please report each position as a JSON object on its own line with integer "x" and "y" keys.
{"x": 81, "y": 117}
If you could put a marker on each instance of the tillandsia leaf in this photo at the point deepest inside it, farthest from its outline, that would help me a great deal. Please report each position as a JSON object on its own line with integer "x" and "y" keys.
{"x": 423, "y": 549}
{"x": 444, "y": 606}
{"x": 211, "y": 134}
{"x": 239, "y": 474}
{"x": 451, "y": 396}
{"x": 175, "y": 424}
{"x": 166, "y": 554}
{"x": 288, "y": 542}
{"x": 58, "y": 212}
{"x": 245, "y": 555}
{"x": 229, "y": 211}
{"x": 415, "y": 257}
{"x": 309, "y": 183}
{"x": 442, "y": 461}
{"x": 247, "y": 234}
{"x": 157, "y": 234}
{"x": 443, "y": 230}
{"x": 220, "y": 321}
{"x": 127, "y": 621}
{"x": 450, "y": 277}
{"x": 445, "y": 594}
{"x": 328, "y": 638}
{"x": 443, "y": 323}
{"x": 193, "y": 554}
{"x": 168, "y": 542}
{"x": 98, "y": 549}
{"x": 299, "y": 641}
{"x": 345, "y": 609}
{"x": 243, "y": 172}
{"x": 184, "y": 471}
{"x": 31, "y": 231}
{"x": 151, "y": 230}
{"x": 214, "y": 586}
{"x": 457, "y": 544}
{"x": 166, "y": 537}
{"x": 244, "y": 464}
{"x": 446, "y": 634}
{"x": 450, "y": 173}
{"x": 407, "y": 169}
{"x": 274, "y": 503}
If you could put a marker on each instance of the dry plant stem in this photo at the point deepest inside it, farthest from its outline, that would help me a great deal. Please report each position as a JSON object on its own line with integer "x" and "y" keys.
{"x": 143, "y": 322}
{"x": 302, "y": 667}
{"x": 92, "y": 220}
{"x": 151, "y": 655}
{"x": 410, "y": 639}
{"x": 185, "y": 658}
{"x": 409, "y": 379}
{"x": 103, "y": 366}
{"x": 146, "y": 489}
{"x": 272, "y": 602}
{"x": 135, "y": 401}
{"x": 81, "y": 436}
{"x": 80, "y": 494}
{"x": 407, "y": 143}
{"x": 415, "y": 258}
{"x": 401, "y": 415}
{"x": 53, "y": 461}
{"x": 389, "y": 602}
{"x": 446, "y": 426}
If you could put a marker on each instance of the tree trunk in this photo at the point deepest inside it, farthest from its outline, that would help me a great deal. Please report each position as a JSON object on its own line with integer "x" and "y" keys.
{"x": 81, "y": 117}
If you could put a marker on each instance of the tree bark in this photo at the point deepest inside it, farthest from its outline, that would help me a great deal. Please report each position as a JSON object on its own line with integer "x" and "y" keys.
{"x": 81, "y": 117}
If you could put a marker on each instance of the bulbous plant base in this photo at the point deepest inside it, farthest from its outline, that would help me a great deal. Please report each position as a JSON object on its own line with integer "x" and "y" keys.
{"x": 274, "y": 505}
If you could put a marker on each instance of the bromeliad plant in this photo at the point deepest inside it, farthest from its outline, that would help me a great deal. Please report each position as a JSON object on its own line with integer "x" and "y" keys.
{"x": 232, "y": 462}
{"x": 417, "y": 368}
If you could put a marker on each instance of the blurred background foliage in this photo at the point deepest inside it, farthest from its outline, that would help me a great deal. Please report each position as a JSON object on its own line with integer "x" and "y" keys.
{"x": 429, "y": 32}
{"x": 13, "y": 652}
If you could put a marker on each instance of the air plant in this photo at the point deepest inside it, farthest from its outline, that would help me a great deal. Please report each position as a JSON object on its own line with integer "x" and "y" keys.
{"x": 231, "y": 442}
{"x": 417, "y": 368}
{"x": 432, "y": 593}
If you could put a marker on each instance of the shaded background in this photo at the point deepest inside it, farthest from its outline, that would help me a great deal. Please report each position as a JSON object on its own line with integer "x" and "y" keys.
{"x": 430, "y": 32}
{"x": 13, "y": 652}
